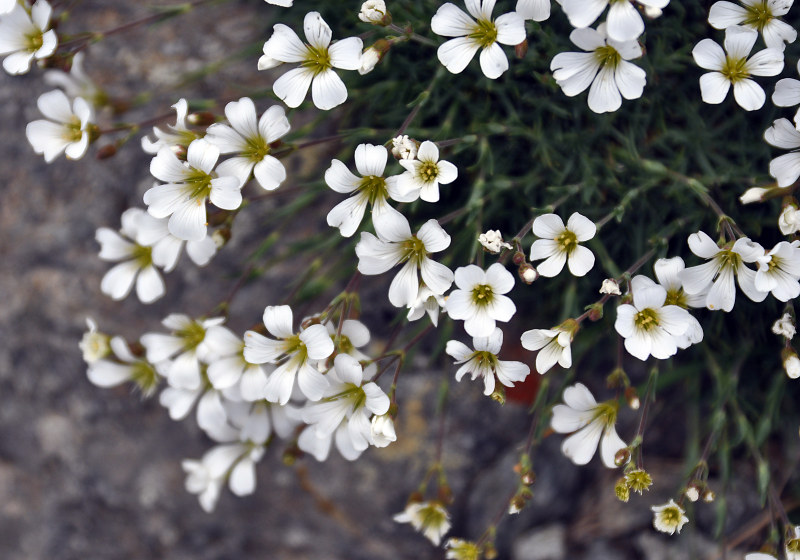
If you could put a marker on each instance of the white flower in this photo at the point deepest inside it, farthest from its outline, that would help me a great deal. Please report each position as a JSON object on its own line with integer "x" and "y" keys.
{"x": 394, "y": 245}
{"x": 604, "y": 67}
{"x": 177, "y": 136}
{"x": 67, "y": 128}
{"x": 537, "y": 10}
{"x": 369, "y": 60}
{"x": 94, "y": 344}
{"x": 166, "y": 248}
{"x": 317, "y": 60}
{"x": 610, "y": 287}
{"x": 431, "y": 518}
{"x": 483, "y": 362}
{"x": 553, "y": 345}
{"x": 784, "y": 326}
{"x": 124, "y": 366}
{"x": 403, "y": 147}
{"x": 753, "y": 194}
{"x": 492, "y": 241}
{"x": 424, "y": 174}
{"x": 137, "y": 263}
{"x": 426, "y": 302}
{"x": 297, "y": 354}
{"x": 250, "y": 139}
{"x": 486, "y": 33}
{"x": 718, "y": 274}
{"x": 373, "y": 11}
{"x": 648, "y": 325}
{"x": 779, "y": 271}
{"x": 234, "y": 462}
{"x": 372, "y": 188}
{"x": 592, "y": 423}
{"x": 229, "y": 366}
{"x": 792, "y": 548}
{"x": 479, "y": 299}
{"x": 669, "y": 518}
{"x": 624, "y": 21}
{"x": 25, "y": 35}
{"x": 76, "y": 83}
{"x": 188, "y": 185}
{"x": 7, "y": 5}
{"x": 354, "y": 335}
{"x": 560, "y": 244}
{"x": 787, "y": 94}
{"x": 785, "y": 168}
{"x": 459, "y": 549}
{"x": 789, "y": 220}
{"x": 382, "y": 430}
{"x": 732, "y": 66}
{"x": 759, "y": 15}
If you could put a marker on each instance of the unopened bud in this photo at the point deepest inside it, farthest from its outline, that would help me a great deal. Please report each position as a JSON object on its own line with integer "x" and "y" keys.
{"x": 201, "y": 118}
{"x": 107, "y": 151}
{"x": 221, "y": 236}
{"x": 518, "y": 258}
{"x": 527, "y": 273}
{"x": 632, "y": 396}
{"x": 516, "y": 505}
{"x": 754, "y": 194}
{"x": 528, "y": 478}
{"x": 791, "y": 363}
{"x": 499, "y": 395}
{"x": 622, "y": 456}
{"x": 692, "y": 493}
{"x": 521, "y": 49}
{"x": 595, "y": 312}
{"x": 709, "y": 496}
{"x": 621, "y": 490}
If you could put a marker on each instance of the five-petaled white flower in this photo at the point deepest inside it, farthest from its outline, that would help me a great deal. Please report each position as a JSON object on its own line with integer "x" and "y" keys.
{"x": 648, "y": 325}
{"x": 317, "y": 60}
{"x": 424, "y": 174}
{"x": 669, "y": 518}
{"x": 479, "y": 299}
{"x": 395, "y": 244}
{"x": 372, "y": 188}
{"x": 560, "y": 244}
{"x": 554, "y": 345}
{"x": 67, "y": 128}
{"x": 592, "y": 423}
{"x": 604, "y": 67}
{"x": 483, "y": 361}
{"x": 25, "y": 35}
{"x": 297, "y": 353}
{"x": 178, "y": 137}
{"x": 785, "y": 168}
{"x": 188, "y": 184}
{"x": 725, "y": 263}
{"x": 779, "y": 271}
{"x": 759, "y": 15}
{"x": 122, "y": 366}
{"x": 732, "y": 66}
{"x": 250, "y": 139}
{"x": 471, "y": 35}
{"x": 623, "y": 20}
{"x": 431, "y": 518}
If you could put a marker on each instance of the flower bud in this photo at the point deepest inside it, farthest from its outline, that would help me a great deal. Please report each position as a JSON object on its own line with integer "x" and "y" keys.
{"x": 521, "y": 49}
{"x": 791, "y": 363}
{"x": 622, "y": 456}
{"x": 518, "y": 258}
{"x": 632, "y": 396}
{"x": 201, "y": 118}
{"x": 595, "y": 312}
{"x": 610, "y": 287}
{"x": 692, "y": 493}
{"x": 369, "y": 60}
{"x": 528, "y": 478}
{"x": 107, "y": 151}
{"x": 527, "y": 273}
{"x": 375, "y": 12}
{"x": 621, "y": 490}
{"x": 709, "y": 496}
{"x": 753, "y": 194}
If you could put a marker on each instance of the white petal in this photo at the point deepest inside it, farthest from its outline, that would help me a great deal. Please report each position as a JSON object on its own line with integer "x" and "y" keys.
{"x": 714, "y": 87}
{"x": 624, "y": 22}
{"x": 493, "y": 61}
{"x": 455, "y": 54}
{"x": 327, "y": 90}
{"x": 749, "y": 95}
{"x": 293, "y": 86}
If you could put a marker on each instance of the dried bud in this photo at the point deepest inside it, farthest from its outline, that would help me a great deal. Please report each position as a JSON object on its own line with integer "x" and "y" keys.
{"x": 622, "y": 456}
{"x": 521, "y": 49}
{"x": 201, "y": 118}
{"x": 528, "y": 478}
{"x": 610, "y": 287}
{"x": 489, "y": 551}
{"x": 499, "y": 395}
{"x": 595, "y": 312}
{"x": 709, "y": 496}
{"x": 107, "y": 151}
{"x": 632, "y": 396}
{"x": 416, "y": 498}
{"x": 518, "y": 258}
{"x": 621, "y": 490}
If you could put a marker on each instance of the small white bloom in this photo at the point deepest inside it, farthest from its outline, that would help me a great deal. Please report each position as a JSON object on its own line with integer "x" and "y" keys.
{"x": 784, "y": 326}
{"x": 604, "y": 67}
{"x": 67, "y": 128}
{"x": 424, "y": 174}
{"x": 372, "y": 188}
{"x": 177, "y": 137}
{"x": 369, "y": 60}
{"x": 792, "y": 545}
{"x": 187, "y": 186}
{"x": 623, "y": 20}
{"x": 669, "y": 518}
{"x": 166, "y": 248}
{"x": 382, "y": 430}
{"x": 76, "y": 83}
{"x": 753, "y": 194}
{"x": 692, "y": 494}
{"x": 373, "y": 11}
{"x": 537, "y": 10}
{"x": 493, "y": 242}
{"x": 779, "y": 271}
{"x": 234, "y": 462}
{"x": 732, "y": 67}
{"x": 459, "y": 549}
{"x": 471, "y": 35}
{"x": 759, "y": 15}
{"x": 94, "y": 344}
{"x": 394, "y": 245}
{"x": 716, "y": 276}
{"x": 25, "y": 35}
{"x": 483, "y": 362}
{"x": 668, "y": 272}
{"x": 430, "y": 518}
{"x": 560, "y": 244}
{"x": 120, "y": 366}
{"x": 479, "y": 299}
{"x": 229, "y": 367}
{"x": 785, "y": 168}
{"x": 426, "y": 302}
{"x": 250, "y": 139}
{"x": 789, "y": 220}
{"x": 610, "y": 287}
{"x": 553, "y": 345}
{"x": 403, "y": 147}
{"x": 317, "y": 60}
{"x": 592, "y": 423}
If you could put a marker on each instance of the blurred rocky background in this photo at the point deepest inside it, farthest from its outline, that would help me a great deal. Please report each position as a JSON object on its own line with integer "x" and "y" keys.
{"x": 87, "y": 473}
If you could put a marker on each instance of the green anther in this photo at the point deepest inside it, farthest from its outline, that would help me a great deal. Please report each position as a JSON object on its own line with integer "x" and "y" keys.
{"x": 373, "y": 187}
{"x": 567, "y": 241}
{"x": 482, "y": 294}
{"x": 758, "y": 15}
{"x": 774, "y": 263}
{"x": 192, "y": 335}
{"x": 735, "y": 69}
{"x": 646, "y": 319}
{"x": 428, "y": 171}
{"x": 607, "y": 55}
{"x": 484, "y": 33}
{"x": 318, "y": 60}
{"x": 142, "y": 255}
{"x": 200, "y": 183}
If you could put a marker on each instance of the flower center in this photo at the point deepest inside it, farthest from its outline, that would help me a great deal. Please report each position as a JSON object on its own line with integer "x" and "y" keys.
{"x": 646, "y": 319}
{"x": 606, "y": 412}
{"x": 774, "y": 263}
{"x": 727, "y": 258}
{"x": 145, "y": 377}
{"x": 735, "y": 69}
{"x": 199, "y": 183}
{"x": 257, "y": 148}
{"x": 428, "y": 171}
{"x": 354, "y": 394}
{"x": 414, "y": 250}
{"x": 484, "y": 33}
{"x": 485, "y": 359}
{"x": 758, "y": 15}
{"x": 607, "y": 55}
{"x": 142, "y": 255}
{"x": 676, "y": 297}
{"x": 72, "y": 130}
{"x": 670, "y": 516}
{"x": 34, "y": 41}
{"x": 374, "y": 188}
{"x": 192, "y": 335}
{"x": 567, "y": 241}
{"x": 482, "y": 295}
{"x": 793, "y": 545}
{"x": 318, "y": 60}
